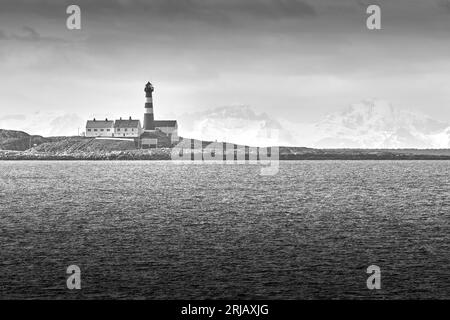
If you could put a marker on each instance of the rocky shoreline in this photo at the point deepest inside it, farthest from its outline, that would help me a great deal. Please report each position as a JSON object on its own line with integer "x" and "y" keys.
{"x": 155, "y": 154}
{"x": 285, "y": 154}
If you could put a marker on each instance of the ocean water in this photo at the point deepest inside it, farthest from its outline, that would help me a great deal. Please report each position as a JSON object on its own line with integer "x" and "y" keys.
{"x": 159, "y": 230}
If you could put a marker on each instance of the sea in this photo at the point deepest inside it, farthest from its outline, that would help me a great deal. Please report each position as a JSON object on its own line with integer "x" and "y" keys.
{"x": 166, "y": 230}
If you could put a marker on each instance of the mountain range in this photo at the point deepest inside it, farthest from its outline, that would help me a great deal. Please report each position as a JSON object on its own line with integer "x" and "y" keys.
{"x": 367, "y": 124}
{"x": 378, "y": 124}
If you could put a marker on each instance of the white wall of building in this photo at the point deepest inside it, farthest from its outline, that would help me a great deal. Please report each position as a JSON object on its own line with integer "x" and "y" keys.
{"x": 127, "y": 132}
{"x": 99, "y": 132}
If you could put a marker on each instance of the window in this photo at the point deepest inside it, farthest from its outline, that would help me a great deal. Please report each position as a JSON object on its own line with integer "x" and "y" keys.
{"x": 102, "y": 130}
{"x": 118, "y": 129}
{"x": 89, "y": 130}
{"x": 126, "y": 130}
{"x": 95, "y": 130}
{"x": 108, "y": 130}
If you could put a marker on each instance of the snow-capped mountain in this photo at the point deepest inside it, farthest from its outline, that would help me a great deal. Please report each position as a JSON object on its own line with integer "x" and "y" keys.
{"x": 377, "y": 124}
{"x": 368, "y": 124}
{"x": 236, "y": 124}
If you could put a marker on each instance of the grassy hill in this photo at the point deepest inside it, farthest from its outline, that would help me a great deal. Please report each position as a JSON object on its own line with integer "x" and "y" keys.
{"x": 82, "y": 144}
{"x": 19, "y": 140}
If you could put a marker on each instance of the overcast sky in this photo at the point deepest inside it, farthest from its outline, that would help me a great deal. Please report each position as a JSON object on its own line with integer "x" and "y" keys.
{"x": 294, "y": 60}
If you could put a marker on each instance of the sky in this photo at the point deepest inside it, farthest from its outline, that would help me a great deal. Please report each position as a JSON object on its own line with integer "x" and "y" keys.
{"x": 295, "y": 61}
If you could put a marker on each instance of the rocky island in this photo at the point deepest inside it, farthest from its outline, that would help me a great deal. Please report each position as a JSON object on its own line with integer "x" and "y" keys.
{"x": 18, "y": 145}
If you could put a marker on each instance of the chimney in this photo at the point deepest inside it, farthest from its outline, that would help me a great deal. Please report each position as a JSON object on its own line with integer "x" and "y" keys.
{"x": 120, "y": 118}
{"x": 94, "y": 120}
{"x": 106, "y": 119}
{"x": 130, "y": 118}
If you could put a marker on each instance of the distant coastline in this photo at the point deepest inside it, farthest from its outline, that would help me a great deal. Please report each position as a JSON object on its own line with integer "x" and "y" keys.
{"x": 17, "y": 145}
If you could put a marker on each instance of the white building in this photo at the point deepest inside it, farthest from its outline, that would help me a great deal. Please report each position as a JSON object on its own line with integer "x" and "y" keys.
{"x": 127, "y": 128}
{"x": 100, "y": 128}
{"x": 169, "y": 127}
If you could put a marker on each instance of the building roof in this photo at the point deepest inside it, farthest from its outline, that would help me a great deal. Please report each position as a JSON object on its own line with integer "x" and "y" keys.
{"x": 127, "y": 124}
{"x": 165, "y": 123}
{"x": 99, "y": 124}
{"x": 150, "y": 135}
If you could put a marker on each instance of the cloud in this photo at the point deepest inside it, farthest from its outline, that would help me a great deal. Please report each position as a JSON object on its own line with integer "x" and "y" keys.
{"x": 445, "y": 5}
{"x": 286, "y": 58}
{"x": 44, "y": 123}
{"x": 294, "y": 8}
{"x": 13, "y": 117}
{"x": 29, "y": 34}
{"x": 204, "y": 10}
{"x": 67, "y": 124}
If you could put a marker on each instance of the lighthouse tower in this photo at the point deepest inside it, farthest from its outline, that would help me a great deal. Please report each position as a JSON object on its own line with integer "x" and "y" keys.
{"x": 149, "y": 121}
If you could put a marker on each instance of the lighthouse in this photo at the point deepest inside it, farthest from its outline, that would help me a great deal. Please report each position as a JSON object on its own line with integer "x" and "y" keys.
{"x": 149, "y": 123}
{"x": 156, "y": 132}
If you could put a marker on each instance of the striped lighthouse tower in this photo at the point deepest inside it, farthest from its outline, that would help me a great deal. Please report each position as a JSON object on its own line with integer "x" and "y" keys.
{"x": 148, "y": 116}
